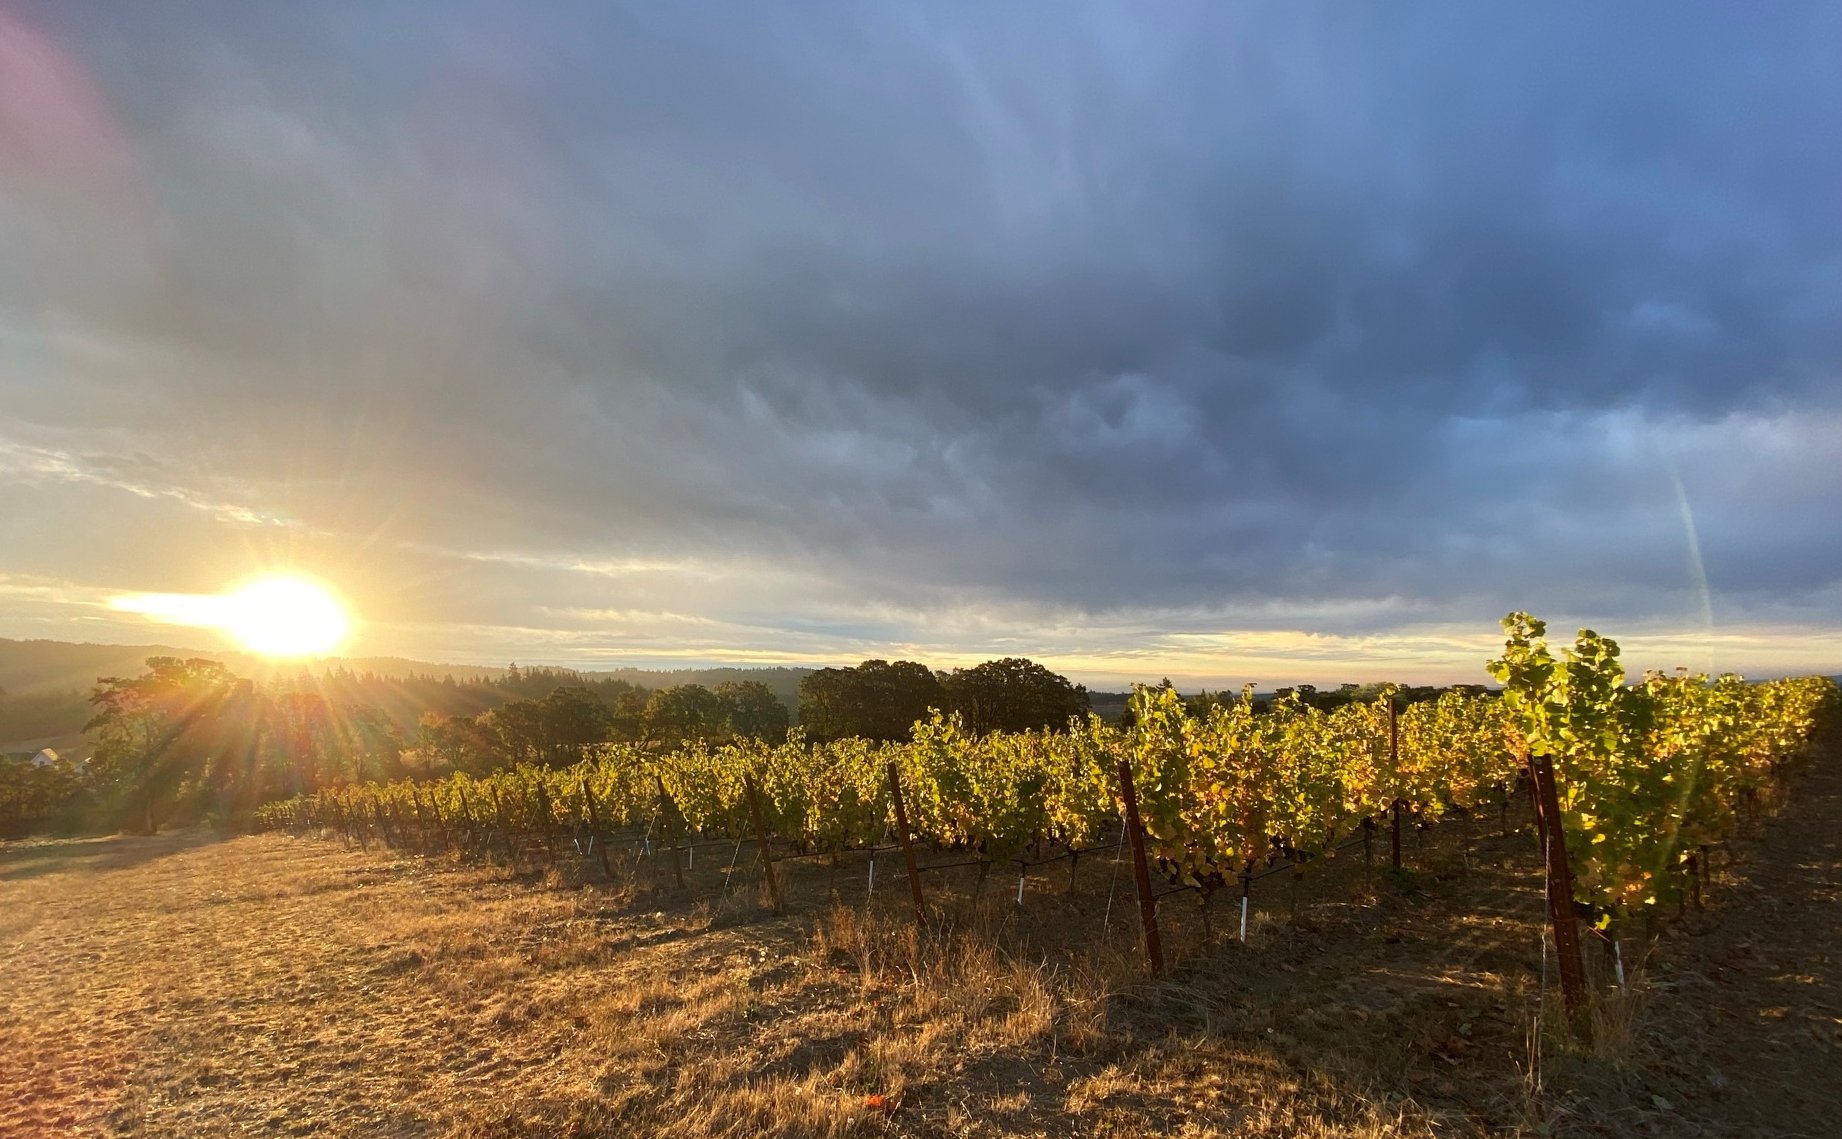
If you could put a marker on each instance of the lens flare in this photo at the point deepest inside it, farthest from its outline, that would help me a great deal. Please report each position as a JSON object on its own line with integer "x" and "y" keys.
{"x": 284, "y": 616}
{"x": 275, "y": 616}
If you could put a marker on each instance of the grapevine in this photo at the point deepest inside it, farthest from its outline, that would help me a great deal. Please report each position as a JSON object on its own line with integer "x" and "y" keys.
{"x": 1647, "y": 773}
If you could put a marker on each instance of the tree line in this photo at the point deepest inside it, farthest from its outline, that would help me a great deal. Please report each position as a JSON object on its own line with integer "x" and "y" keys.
{"x": 558, "y": 729}
{"x": 882, "y": 700}
{"x": 189, "y": 739}
{"x": 876, "y": 700}
{"x": 1329, "y": 699}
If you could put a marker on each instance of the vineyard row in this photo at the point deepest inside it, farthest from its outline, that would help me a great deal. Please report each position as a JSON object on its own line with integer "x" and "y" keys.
{"x": 1645, "y": 775}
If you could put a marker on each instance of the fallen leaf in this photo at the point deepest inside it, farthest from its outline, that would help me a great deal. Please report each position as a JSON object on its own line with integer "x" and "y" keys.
{"x": 880, "y": 1103}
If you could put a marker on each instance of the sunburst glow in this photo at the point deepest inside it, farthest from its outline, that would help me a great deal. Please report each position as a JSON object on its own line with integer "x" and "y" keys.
{"x": 274, "y": 616}
{"x": 285, "y": 616}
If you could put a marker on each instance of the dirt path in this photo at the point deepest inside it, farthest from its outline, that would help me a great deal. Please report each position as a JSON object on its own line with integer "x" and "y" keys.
{"x": 1743, "y": 1034}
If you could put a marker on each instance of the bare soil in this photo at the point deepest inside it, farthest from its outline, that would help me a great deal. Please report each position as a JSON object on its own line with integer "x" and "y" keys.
{"x": 184, "y": 985}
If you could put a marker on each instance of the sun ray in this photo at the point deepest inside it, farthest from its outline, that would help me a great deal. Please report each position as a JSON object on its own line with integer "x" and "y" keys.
{"x": 279, "y": 616}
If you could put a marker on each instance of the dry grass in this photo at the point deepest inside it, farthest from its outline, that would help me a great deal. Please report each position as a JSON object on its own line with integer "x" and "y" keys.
{"x": 179, "y": 986}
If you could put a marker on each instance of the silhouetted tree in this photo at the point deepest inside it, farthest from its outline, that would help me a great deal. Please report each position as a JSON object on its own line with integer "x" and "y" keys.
{"x": 554, "y": 731}
{"x": 155, "y": 733}
{"x": 685, "y": 712}
{"x": 877, "y": 700}
{"x": 754, "y": 710}
{"x": 455, "y": 743}
{"x": 1012, "y": 695}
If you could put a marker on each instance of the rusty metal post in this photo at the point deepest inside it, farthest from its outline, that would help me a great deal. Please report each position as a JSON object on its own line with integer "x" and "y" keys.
{"x": 1394, "y": 834}
{"x": 670, "y": 816}
{"x": 505, "y": 826}
{"x": 1394, "y": 767}
{"x": 1141, "y": 873}
{"x": 467, "y": 817}
{"x": 547, "y": 819}
{"x": 594, "y": 830}
{"x": 1560, "y": 898}
{"x": 422, "y": 829}
{"x": 441, "y": 822}
{"x": 761, "y": 836}
{"x": 908, "y": 845}
{"x": 426, "y": 822}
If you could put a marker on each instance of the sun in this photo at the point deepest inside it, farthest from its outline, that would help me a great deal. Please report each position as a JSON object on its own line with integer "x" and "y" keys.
{"x": 279, "y": 615}
{"x": 285, "y": 617}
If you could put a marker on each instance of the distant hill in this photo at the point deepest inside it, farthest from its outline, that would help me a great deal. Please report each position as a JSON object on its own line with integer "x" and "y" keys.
{"x": 60, "y": 666}
{"x": 44, "y": 685}
{"x": 783, "y": 682}
{"x": 28, "y": 667}
{"x": 1109, "y": 706}
{"x": 33, "y": 667}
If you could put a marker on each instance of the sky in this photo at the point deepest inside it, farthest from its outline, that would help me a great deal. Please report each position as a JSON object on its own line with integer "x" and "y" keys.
{"x": 1222, "y": 341}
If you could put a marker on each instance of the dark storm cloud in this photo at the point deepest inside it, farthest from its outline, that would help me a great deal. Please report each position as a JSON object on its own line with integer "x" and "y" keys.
{"x": 1045, "y": 311}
